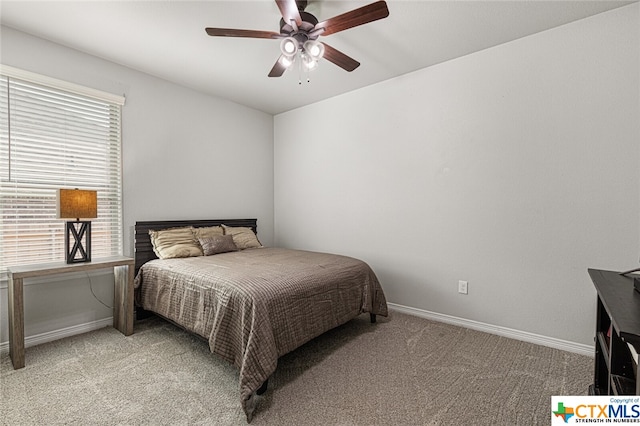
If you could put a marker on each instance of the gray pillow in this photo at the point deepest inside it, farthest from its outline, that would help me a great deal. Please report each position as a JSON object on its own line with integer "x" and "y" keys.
{"x": 216, "y": 244}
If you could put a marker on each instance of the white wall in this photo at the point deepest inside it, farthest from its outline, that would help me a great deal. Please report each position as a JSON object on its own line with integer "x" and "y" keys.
{"x": 186, "y": 155}
{"x": 515, "y": 168}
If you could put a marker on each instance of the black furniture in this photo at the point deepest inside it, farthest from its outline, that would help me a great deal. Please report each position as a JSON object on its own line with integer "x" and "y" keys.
{"x": 617, "y": 335}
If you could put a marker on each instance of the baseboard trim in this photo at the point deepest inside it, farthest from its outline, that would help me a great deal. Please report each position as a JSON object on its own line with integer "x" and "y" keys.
{"x": 50, "y": 336}
{"x": 525, "y": 336}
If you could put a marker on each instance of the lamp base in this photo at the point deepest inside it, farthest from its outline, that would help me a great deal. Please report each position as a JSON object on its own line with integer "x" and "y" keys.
{"x": 75, "y": 250}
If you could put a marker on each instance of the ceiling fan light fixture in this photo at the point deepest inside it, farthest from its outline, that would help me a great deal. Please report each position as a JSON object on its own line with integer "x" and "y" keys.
{"x": 286, "y": 61}
{"x": 289, "y": 46}
{"x": 299, "y": 31}
{"x": 310, "y": 63}
{"x": 314, "y": 49}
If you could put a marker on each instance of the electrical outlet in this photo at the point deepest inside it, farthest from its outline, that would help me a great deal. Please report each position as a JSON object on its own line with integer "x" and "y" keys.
{"x": 463, "y": 287}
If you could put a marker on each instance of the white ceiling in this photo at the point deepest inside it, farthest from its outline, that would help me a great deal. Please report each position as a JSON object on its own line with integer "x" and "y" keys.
{"x": 167, "y": 39}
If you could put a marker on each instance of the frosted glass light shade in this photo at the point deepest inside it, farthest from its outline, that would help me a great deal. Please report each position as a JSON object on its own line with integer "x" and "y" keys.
{"x": 289, "y": 46}
{"x": 314, "y": 49}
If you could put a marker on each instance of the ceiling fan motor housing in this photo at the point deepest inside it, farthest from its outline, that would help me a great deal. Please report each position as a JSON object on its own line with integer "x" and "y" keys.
{"x": 302, "y": 34}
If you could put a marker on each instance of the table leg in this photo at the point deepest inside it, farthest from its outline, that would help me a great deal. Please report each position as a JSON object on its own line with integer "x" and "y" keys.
{"x": 16, "y": 322}
{"x": 123, "y": 299}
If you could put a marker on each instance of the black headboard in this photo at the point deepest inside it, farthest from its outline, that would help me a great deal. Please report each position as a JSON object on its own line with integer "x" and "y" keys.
{"x": 143, "y": 250}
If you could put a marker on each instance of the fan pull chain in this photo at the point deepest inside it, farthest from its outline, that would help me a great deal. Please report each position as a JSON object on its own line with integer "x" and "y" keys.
{"x": 300, "y": 73}
{"x": 299, "y": 61}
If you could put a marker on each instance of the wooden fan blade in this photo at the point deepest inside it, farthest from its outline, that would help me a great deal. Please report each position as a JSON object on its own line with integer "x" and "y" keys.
{"x": 363, "y": 15}
{"x": 278, "y": 68}
{"x": 289, "y": 11}
{"x": 340, "y": 59}
{"x": 228, "y": 32}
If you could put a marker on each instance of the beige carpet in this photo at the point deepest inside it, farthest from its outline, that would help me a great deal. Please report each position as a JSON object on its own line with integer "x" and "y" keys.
{"x": 403, "y": 370}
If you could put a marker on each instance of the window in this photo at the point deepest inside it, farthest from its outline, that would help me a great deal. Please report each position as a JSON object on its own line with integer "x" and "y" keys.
{"x": 55, "y": 135}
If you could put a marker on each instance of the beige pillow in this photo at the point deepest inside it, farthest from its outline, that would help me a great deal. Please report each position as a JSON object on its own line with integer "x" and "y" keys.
{"x": 207, "y": 231}
{"x": 175, "y": 242}
{"x": 217, "y": 244}
{"x": 244, "y": 238}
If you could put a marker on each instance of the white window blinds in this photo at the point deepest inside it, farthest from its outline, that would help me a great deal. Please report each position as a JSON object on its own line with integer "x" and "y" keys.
{"x": 49, "y": 139}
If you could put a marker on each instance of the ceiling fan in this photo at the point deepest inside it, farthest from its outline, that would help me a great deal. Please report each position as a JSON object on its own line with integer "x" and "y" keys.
{"x": 299, "y": 31}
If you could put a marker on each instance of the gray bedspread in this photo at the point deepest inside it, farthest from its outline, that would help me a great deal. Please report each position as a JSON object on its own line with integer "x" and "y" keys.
{"x": 255, "y": 305}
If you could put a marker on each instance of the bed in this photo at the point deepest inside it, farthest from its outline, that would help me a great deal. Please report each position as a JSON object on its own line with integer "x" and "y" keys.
{"x": 255, "y": 304}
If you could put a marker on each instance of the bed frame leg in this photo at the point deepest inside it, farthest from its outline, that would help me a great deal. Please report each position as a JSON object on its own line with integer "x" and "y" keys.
{"x": 262, "y": 389}
{"x": 373, "y": 318}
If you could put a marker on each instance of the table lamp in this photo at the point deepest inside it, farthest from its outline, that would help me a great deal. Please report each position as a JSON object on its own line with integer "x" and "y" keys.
{"x": 76, "y": 204}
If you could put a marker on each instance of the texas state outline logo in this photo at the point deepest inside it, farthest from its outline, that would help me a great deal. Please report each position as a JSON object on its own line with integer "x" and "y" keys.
{"x": 565, "y": 413}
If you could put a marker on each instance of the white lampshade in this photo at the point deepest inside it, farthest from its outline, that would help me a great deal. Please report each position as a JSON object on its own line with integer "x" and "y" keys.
{"x": 309, "y": 62}
{"x": 313, "y": 48}
{"x": 286, "y": 61}
{"x": 289, "y": 46}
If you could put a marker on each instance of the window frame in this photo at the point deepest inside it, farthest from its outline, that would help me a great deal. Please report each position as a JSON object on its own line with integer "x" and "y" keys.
{"x": 67, "y": 88}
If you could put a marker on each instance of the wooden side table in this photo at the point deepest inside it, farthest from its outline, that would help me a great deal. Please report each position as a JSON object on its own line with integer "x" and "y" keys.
{"x": 123, "y": 270}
